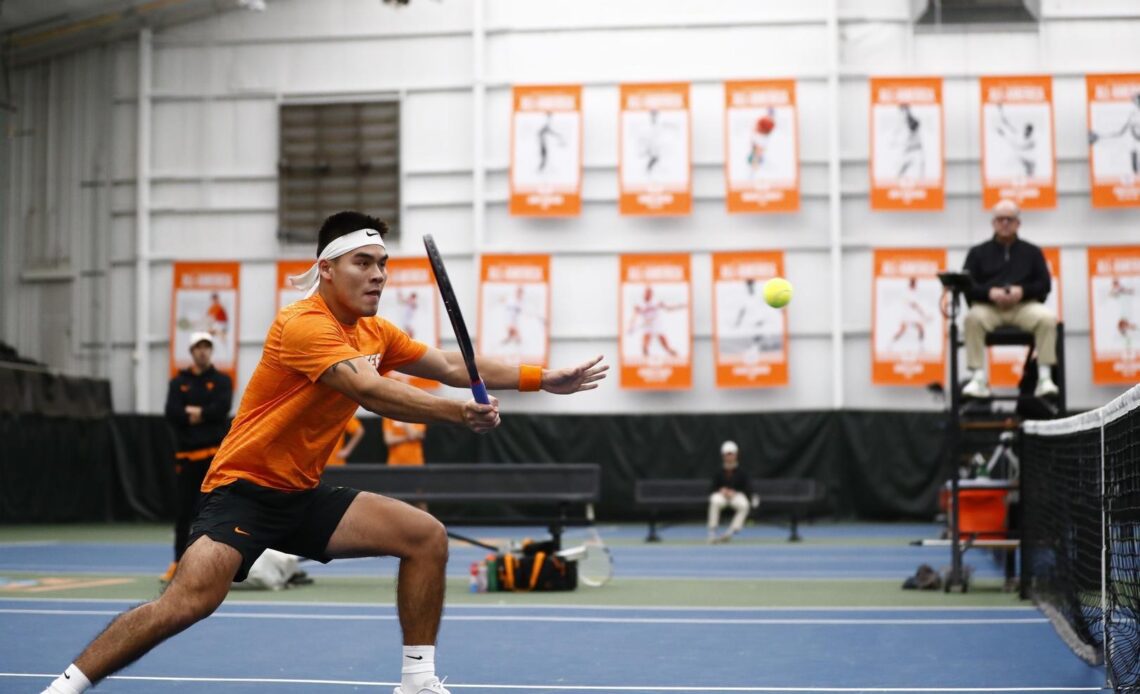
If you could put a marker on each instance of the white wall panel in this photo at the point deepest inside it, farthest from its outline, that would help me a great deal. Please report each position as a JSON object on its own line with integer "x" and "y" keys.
{"x": 218, "y": 84}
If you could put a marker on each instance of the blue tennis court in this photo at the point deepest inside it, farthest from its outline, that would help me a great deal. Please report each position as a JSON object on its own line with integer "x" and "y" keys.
{"x": 679, "y": 616}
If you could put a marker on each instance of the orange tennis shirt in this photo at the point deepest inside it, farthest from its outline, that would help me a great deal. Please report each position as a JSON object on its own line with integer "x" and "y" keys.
{"x": 288, "y": 423}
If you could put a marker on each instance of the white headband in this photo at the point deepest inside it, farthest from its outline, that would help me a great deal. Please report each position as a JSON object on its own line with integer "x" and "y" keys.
{"x": 309, "y": 280}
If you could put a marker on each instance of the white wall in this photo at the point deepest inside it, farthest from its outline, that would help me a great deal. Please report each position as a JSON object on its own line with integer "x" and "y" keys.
{"x": 69, "y": 220}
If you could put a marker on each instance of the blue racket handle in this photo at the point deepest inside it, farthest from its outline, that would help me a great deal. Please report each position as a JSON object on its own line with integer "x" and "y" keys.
{"x": 480, "y": 392}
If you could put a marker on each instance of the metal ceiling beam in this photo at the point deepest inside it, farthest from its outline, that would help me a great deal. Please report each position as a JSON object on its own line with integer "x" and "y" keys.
{"x": 104, "y": 23}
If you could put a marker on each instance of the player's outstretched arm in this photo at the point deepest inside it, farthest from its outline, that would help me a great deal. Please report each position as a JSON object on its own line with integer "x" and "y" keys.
{"x": 574, "y": 379}
{"x": 448, "y": 368}
{"x": 358, "y": 380}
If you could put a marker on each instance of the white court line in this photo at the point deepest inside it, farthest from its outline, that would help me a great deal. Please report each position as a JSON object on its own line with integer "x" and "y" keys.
{"x": 564, "y": 606}
{"x": 585, "y": 620}
{"x": 574, "y": 688}
{"x": 30, "y": 543}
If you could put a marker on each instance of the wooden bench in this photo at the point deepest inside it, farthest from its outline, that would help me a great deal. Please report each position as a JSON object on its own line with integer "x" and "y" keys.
{"x": 786, "y": 496}
{"x": 567, "y": 492}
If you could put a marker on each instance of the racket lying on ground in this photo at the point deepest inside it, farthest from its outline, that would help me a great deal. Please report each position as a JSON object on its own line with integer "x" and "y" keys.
{"x": 457, "y": 325}
{"x": 595, "y": 564}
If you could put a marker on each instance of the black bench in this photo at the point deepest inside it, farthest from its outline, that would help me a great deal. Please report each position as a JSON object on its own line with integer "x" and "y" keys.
{"x": 791, "y": 497}
{"x": 566, "y": 491}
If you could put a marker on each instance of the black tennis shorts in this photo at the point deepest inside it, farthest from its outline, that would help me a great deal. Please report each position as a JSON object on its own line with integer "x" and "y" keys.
{"x": 251, "y": 519}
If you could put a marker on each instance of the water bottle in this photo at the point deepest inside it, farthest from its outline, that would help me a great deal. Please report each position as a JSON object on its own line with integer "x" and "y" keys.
{"x": 492, "y": 565}
{"x": 473, "y": 583}
{"x": 481, "y": 577}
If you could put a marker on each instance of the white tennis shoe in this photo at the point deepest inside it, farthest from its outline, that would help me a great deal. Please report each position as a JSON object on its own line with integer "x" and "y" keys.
{"x": 432, "y": 686}
{"x": 976, "y": 388}
{"x": 1046, "y": 388}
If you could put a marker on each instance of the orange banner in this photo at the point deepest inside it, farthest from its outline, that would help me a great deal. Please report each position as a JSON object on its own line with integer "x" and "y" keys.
{"x": 750, "y": 338}
{"x": 1007, "y": 362}
{"x": 1114, "y": 314}
{"x": 907, "y": 142}
{"x": 205, "y": 299}
{"x": 514, "y": 308}
{"x": 286, "y": 293}
{"x": 654, "y": 145}
{"x": 1114, "y": 139}
{"x": 409, "y": 302}
{"x": 908, "y": 340}
{"x": 1018, "y": 159}
{"x": 656, "y": 330}
{"x": 546, "y": 151}
{"x": 761, "y": 146}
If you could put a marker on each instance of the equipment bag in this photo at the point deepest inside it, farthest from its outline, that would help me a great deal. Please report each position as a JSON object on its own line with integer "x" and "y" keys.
{"x": 536, "y": 567}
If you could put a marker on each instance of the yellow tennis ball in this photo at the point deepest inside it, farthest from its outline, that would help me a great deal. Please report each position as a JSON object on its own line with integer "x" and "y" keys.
{"x": 777, "y": 292}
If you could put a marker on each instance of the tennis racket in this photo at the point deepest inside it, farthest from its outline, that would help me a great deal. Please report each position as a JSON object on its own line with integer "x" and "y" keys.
{"x": 457, "y": 325}
{"x": 595, "y": 563}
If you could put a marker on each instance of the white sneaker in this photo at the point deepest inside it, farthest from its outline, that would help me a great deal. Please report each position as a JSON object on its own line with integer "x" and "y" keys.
{"x": 1046, "y": 388}
{"x": 976, "y": 388}
{"x": 432, "y": 686}
{"x": 723, "y": 538}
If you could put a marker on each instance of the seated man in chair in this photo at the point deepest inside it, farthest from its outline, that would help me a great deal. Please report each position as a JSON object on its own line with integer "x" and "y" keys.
{"x": 1011, "y": 283}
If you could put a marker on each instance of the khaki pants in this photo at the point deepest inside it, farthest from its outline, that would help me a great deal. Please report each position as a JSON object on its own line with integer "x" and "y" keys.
{"x": 1030, "y": 316}
{"x": 739, "y": 504}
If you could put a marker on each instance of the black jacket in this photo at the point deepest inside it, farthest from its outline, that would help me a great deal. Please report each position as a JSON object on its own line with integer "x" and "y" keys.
{"x": 737, "y": 479}
{"x": 994, "y": 265}
{"x": 211, "y": 390}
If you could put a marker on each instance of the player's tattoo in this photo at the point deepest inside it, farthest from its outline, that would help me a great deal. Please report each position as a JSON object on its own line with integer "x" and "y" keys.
{"x": 346, "y": 362}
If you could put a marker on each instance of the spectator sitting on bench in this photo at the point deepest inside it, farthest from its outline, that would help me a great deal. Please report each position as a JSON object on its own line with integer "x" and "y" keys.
{"x": 730, "y": 487}
{"x": 1012, "y": 281}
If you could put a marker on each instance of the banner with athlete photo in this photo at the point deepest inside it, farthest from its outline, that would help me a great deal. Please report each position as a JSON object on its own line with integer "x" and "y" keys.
{"x": 410, "y": 302}
{"x": 761, "y": 146}
{"x": 908, "y": 332}
{"x": 654, "y": 171}
{"x": 1007, "y": 362}
{"x": 514, "y": 308}
{"x": 906, "y": 143}
{"x": 205, "y": 299}
{"x": 656, "y": 331}
{"x": 1114, "y": 139}
{"x": 287, "y": 293}
{"x": 546, "y": 151}
{"x": 1018, "y": 159}
{"x": 1114, "y": 314}
{"x": 750, "y": 338}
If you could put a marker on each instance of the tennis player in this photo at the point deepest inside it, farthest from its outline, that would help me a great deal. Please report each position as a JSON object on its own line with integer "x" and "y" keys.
{"x": 324, "y": 356}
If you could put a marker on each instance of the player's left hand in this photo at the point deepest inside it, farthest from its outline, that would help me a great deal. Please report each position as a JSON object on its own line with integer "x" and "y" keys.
{"x": 574, "y": 379}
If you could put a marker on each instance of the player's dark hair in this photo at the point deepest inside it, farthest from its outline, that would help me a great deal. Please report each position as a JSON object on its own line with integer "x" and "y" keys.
{"x": 346, "y": 222}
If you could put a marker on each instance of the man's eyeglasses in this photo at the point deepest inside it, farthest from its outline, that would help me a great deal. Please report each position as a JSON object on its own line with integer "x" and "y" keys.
{"x": 1005, "y": 219}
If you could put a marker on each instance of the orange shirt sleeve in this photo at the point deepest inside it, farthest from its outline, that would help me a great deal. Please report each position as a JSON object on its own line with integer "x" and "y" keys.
{"x": 311, "y": 342}
{"x": 400, "y": 350}
{"x": 354, "y": 425}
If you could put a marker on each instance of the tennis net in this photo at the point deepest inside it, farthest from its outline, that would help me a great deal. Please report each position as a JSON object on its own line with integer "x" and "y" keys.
{"x": 1081, "y": 484}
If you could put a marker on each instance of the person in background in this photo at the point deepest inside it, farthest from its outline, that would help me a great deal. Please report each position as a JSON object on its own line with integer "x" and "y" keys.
{"x": 405, "y": 442}
{"x": 1011, "y": 281}
{"x": 198, "y": 404}
{"x": 354, "y": 430}
{"x": 730, "y": 487}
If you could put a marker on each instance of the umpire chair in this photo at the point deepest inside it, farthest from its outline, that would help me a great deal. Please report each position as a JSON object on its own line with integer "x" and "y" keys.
{"x": 966, "y": 415}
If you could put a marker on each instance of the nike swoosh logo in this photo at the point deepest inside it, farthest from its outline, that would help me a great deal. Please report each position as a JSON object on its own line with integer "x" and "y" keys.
{"x": 370, "y": 232}
{"x": 66, "y": 676}
{"x": 239, "y": 531}
{"x": 415, "y": 657}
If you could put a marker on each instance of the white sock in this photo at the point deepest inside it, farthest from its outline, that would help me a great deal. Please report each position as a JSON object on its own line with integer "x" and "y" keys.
{"x": 417, "y": 668}
{"x": 72, "y": 681}
{"x": 979, "y": 376}
{"x": 1044, "y": 372}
